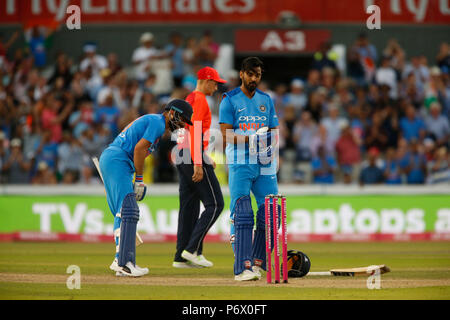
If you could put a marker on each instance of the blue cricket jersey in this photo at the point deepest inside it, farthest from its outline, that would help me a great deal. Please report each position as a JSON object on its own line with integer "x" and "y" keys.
{"x": 149, "y": 127}
{"x": 247, "y": 116}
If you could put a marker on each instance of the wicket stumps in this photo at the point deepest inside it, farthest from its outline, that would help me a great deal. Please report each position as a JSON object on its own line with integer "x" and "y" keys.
{"x": 267, "y": 201}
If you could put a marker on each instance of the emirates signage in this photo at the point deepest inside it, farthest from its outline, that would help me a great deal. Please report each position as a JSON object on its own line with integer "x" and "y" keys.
{"x": 226, "y": 11}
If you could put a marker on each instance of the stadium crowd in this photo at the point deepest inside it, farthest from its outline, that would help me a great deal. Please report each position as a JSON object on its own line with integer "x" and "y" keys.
{"x": 383, "y": 119}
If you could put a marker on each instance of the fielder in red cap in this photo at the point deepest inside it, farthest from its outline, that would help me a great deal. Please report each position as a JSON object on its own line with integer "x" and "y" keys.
{"x": 198, "y": 182}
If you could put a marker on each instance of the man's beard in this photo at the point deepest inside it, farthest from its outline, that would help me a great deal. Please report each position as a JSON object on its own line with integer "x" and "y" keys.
{"x": 250, "y": 86}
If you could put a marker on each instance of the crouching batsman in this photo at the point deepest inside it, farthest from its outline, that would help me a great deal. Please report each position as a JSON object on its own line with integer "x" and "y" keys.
{"x": 248, "y": 121}
{"x": 123, "y": 159}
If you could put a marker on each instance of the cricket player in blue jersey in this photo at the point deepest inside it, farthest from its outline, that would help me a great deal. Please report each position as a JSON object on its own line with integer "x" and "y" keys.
{"x": 124, "y": 158}
{"x": 248, "y": 123}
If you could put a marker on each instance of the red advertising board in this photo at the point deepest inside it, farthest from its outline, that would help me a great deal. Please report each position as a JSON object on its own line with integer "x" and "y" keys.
{"x": 228, "y": 11}
{"x": 279, "y": 40}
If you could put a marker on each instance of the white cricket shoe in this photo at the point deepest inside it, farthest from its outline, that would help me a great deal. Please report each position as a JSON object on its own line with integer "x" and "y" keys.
{"x": 197, "y": 260}
{"x": 205, "y": 262}
{"x": 115, "y": 267}
{"x": 257, "y": 270}
{"x": 246, "y": 275}
{"x": 185, "y": 265}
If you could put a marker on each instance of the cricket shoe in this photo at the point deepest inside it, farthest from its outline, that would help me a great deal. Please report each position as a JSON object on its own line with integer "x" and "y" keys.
{"x": 115, "y": 267}
{"x": 257, "y": 270}
{"x": 205, "y": 262}
{"x": 185, "y": 265}
{"x": 197, "y": 260}
{"x": 246, "y": 275}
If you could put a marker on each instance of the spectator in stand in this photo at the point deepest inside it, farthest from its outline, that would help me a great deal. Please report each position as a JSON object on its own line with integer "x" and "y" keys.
{"x": 280, "y": 98}
{"x": 329, "y": 81}
{"x": 61, "y": 70}
{"x": 16, "y": 167}
{"x": 50, "y": 118}
{"x": 390, "y": 125}
{"x": 82, "y": 118}
{"x": 375, "y": 136}
{"x": 323, "y": 166}
{"x": 323, "y": 140}
{"x": 396, "y": 55}
{"x": 176, "y": 52}
{"x": 436, "y": 90}
{"x": 78, "y": 87}
{"x": 343, "y": 97}
{"x": 362, "y": 60}
{"x": 371, "y": 174}
{"x": 190, "y": 56}
{"x": 410, "y": 92}
{"x": 46, "y": 151}
{"x": 70, "y": 159}
{"x": 313, "y": 81}
{"x": 440, "y": 167}
{"x": 414, "y": 164}
{"x": 348, "y": 153}
{"x": 333, "y": 123}
{"x": 412, "y": 126}
{"x": 44, "y": 175}
{"x": 94, "y": 140}
{"x": 207, "y": 50}
{"x": 392, "y": 170}
{"x": 355, "y": 68}
{"x": 7, "y": 113}
{"x": 438, "y": 125}
{"x": 38, "y": 42}
{"x": 420, "y": 71}
{"x": 385, "y": 75}
{"x": 113, "y": 63}
{"x": 325, "y": 57}
{"x": 296, "y": 97}
{"x": 365, "y": 49}
{"x": 41, "y": 88}
{"x": 143, "y": 57}
{"x": 93, "y": 61}
{"x": 304, "y": 131}
{"x": 107, "y": 113}
{"x": 429, "y": 148}
{"x": 233, "y": 81}
{"x": 287, "y": 125}
{"x": 315, "y": 105}
{"x": 443, "y": 58}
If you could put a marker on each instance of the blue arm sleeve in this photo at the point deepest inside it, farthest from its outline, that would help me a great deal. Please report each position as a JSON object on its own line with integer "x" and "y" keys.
{"x": 226, "y": 112}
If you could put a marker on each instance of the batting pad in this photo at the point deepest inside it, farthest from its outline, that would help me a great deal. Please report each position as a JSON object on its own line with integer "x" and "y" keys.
{"x": 243, "y": 223}
{"x": 259, "y": 240}
{"x": 130, "y": 218}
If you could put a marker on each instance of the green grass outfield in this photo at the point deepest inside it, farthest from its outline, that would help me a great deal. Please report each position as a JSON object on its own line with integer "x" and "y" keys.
{"x": 420, "y": 270}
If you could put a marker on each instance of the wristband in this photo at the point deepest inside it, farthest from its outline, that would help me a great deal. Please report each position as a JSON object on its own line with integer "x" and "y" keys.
{"x": 139, "y": 178}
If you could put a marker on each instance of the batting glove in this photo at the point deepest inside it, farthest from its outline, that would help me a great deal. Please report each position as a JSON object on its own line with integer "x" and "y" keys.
{"x": 139, "y": 188}
{"x": 262, "y": 144}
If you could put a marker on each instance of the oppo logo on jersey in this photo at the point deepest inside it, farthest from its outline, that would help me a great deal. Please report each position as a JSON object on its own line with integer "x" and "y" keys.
{"x": 252, "y": 118}
{"x": 250, "y": 124}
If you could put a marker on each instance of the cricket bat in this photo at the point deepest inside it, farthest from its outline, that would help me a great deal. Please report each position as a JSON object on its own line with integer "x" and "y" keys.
{"x": 97, "y": 165}
{"x": 352, "y": 272}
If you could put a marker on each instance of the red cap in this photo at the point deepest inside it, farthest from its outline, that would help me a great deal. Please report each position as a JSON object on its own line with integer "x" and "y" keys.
{"x": 208, "y": 73}
{"x": 373, "y": 151}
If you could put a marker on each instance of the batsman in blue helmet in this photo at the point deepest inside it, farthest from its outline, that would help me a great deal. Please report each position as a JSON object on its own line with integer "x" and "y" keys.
{"x": 123, "y": 159}
{"x": 249, "y": 124}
